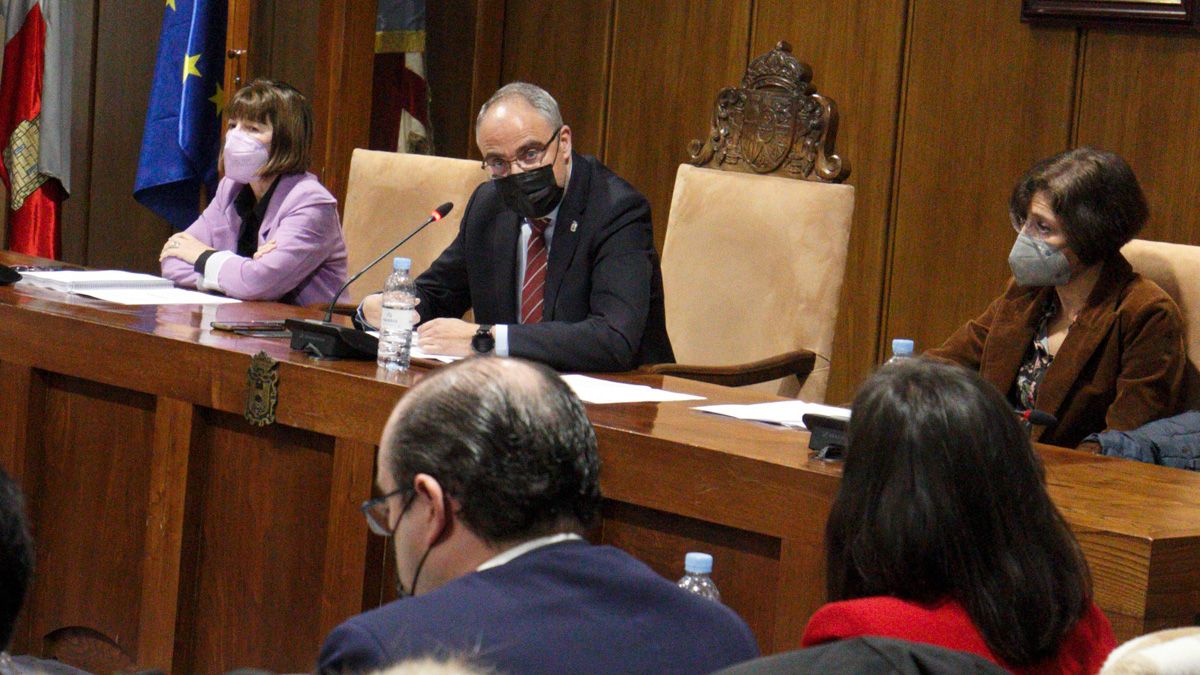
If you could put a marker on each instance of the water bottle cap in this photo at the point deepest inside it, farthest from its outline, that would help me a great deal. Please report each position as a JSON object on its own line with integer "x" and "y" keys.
{"x": 401, "y": 264}
{"x": 697, "y": 563}
{"x": 902, "y": 347}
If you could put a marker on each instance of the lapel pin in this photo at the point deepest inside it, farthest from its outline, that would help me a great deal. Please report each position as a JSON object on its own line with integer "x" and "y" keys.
{"x": 574, "y": 225}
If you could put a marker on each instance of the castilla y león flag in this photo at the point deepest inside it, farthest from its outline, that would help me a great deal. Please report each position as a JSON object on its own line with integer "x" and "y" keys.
{"x": 35, "y": 116}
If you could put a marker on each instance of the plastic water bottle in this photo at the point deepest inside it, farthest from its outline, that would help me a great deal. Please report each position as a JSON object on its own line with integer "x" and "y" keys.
{"x": 697, "y": 567}
{"x": 902, "y": 348}
{"x": 395, "y": 326}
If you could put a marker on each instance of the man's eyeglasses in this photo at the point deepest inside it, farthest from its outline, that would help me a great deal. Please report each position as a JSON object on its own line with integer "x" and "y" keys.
{"x": 530, "y": 158}
{"x": 376, "y": 511}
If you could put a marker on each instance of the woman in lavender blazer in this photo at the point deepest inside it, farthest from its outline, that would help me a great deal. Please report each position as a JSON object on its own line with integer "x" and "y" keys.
{"x": 271, "y": 232}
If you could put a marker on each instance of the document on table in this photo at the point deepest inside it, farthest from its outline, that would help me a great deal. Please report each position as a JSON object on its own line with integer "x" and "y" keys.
{"x": 786, "y": 413}
{"x": 596, "y": 390}
{"x": 156, "y": 296}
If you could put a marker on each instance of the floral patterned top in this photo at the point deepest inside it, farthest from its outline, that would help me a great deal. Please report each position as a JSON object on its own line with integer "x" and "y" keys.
{"x": 1036, "y": 362}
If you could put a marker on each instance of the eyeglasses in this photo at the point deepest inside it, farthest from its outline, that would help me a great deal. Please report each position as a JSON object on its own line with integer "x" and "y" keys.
{"x": 1035, "y": 227}
{"x": 376, "y": 511}
{"x": 530, "y": 158}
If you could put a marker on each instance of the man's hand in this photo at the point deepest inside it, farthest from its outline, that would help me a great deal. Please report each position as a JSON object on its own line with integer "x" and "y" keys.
{"x": 183, "y": 246}
{"x": 451, "y": 337}
{"x": 372, "y": 309}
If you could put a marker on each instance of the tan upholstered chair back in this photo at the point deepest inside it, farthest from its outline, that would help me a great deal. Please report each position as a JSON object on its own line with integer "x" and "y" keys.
{"x": 1175, "y": 267}
{"x": 759, "y": 224}
{"x": 752, "y": 267}
{"x": 389, "y": 194}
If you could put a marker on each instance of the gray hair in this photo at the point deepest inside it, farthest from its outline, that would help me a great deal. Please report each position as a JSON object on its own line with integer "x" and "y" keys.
{"x": 506, "y": 438}
{"x": 539, "y": 99}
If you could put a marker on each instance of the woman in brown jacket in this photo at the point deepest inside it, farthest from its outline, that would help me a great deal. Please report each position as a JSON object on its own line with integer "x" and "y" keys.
{"x": 1077, "y": 333}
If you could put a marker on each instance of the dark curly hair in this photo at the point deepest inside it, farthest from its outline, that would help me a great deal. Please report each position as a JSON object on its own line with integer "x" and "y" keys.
{"x": 1093, "y": 192}
{"x": 508, "y": 440}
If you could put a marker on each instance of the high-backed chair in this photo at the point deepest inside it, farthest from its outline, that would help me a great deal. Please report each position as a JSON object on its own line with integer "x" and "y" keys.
{"x": 1176, "y": 268}
{"x": 390, "y": 193}
{"x": 757, "y": 235}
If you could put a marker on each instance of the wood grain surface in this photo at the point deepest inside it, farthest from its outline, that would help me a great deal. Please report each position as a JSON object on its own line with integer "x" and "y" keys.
{"x": 211, "y": 544}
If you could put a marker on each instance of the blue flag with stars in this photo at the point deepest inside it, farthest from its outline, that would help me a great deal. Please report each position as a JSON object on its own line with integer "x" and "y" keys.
{"x": 183, "y": 124}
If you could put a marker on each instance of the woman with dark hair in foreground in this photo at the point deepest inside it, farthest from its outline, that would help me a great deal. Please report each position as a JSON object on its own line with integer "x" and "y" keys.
{"x": 942, "y": 531}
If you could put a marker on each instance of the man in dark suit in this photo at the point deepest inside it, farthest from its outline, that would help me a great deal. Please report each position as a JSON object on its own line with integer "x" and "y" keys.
{"x": 489, "y": 474}
{"x": 555, "y": 254}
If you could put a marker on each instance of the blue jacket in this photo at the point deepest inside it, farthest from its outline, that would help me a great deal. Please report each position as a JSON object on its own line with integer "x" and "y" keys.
{"x": 564, "y": 608}
{"x": 1174, "y": 442}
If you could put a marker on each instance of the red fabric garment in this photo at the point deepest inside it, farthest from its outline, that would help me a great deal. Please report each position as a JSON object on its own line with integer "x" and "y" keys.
{"x": 946, "y": 624}
{"x": 33, "y": 227}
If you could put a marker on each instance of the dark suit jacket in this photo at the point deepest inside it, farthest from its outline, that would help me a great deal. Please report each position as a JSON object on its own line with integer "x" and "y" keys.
{"x": 564, "y": 608}
{"x": 603, "y": 306}
{"x": 1120, "y": 366}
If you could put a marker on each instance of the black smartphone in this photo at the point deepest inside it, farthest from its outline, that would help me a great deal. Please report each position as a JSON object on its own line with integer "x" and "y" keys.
{"x": 248, "y": 326}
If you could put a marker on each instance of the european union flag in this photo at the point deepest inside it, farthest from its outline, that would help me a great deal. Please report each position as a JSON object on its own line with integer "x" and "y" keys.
{"x": 183, "y": 124}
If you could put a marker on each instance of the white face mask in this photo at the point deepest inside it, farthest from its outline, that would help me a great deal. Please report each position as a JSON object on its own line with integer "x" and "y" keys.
{"x": 244, "y": 156}
{"x": 1036, "y": 263}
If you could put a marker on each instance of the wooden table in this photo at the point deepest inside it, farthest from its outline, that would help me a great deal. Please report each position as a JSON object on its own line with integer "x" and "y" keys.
{"x": 173, "y": 534}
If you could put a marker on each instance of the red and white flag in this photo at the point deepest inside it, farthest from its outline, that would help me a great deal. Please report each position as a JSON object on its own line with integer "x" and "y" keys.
{"x": 400, "y": 93}
{"x": 35, "y": 118}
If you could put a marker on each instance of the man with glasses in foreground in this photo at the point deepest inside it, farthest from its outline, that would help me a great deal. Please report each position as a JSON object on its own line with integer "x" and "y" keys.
{"x": 488, "y": 476}
{"x": 555, "y": 254}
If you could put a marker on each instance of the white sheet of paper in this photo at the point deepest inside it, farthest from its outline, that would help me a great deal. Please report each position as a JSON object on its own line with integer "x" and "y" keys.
{"x": 596, "y": 390}
{"x": 787, "y": 413}
{"x": 157, "y": 296}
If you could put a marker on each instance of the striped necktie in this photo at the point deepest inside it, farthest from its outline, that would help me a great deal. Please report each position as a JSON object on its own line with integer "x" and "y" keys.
{"x": 534, "y": 285}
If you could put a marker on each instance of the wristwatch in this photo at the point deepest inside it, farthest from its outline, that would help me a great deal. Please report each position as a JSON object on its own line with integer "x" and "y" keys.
{"x": 483, "y": 342}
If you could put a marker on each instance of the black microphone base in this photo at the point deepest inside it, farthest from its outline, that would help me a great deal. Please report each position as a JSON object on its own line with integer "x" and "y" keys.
{"x": 827, "y": 435}
{"x": 326, "y": 340}
{"x": 8, "y": 275}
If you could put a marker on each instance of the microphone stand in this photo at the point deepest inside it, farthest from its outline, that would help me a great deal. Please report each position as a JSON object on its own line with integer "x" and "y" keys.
{"x": 327, "y": 340}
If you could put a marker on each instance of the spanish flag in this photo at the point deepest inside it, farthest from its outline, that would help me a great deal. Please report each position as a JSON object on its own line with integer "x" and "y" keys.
{"x": 35, "y": 115}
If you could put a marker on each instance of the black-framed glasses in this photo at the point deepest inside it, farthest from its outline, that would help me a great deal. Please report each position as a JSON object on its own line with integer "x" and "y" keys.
{"x": 376, "y": 511}
{"x": 530, "y": 158}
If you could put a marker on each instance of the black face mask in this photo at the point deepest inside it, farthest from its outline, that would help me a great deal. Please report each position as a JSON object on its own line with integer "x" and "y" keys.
{"x": 532, "y": 194}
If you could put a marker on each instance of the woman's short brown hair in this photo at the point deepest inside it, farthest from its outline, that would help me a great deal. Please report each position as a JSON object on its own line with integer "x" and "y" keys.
{"x": 1093, "y": 192}
{"x": 290, "y": 116}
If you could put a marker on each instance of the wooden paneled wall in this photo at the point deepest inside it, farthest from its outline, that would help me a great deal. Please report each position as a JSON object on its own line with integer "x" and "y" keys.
{"x": 943, "y": 105}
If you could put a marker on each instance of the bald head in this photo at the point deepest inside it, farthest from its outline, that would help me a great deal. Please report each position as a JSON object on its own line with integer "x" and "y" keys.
{"x": 507, "y": 439}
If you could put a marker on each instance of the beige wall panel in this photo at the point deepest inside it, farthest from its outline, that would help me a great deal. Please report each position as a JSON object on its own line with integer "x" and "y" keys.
{"x": 855, "y": 48}
{"x": 1141, "y": 98}
{"x": 986, "y": 97}
{"x": 670, "y": 57}
{"x": 568, "y": 58}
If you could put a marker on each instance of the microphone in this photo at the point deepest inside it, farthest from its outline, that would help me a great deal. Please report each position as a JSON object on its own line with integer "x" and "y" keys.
{"x": 1037, "y": 417}
{"x": 436, "y": 215}
{"x": 325, "y": 339}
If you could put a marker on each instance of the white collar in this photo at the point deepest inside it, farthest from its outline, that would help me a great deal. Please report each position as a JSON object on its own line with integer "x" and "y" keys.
{"x": 521, "y": 549}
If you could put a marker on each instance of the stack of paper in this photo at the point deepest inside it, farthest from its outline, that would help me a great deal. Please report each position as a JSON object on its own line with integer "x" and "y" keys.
{"x": 596, "y": 390}
{"x": 787, "y": 413}
{"x": 157, "y": 296}
{"x": 76, "y": 281}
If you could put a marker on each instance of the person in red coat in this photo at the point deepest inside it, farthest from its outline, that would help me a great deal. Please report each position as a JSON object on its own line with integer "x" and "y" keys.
{"x": 942, "y": 531}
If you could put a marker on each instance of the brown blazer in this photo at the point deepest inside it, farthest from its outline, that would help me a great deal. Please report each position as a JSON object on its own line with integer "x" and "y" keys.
{"x": 1120, "y": 366}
